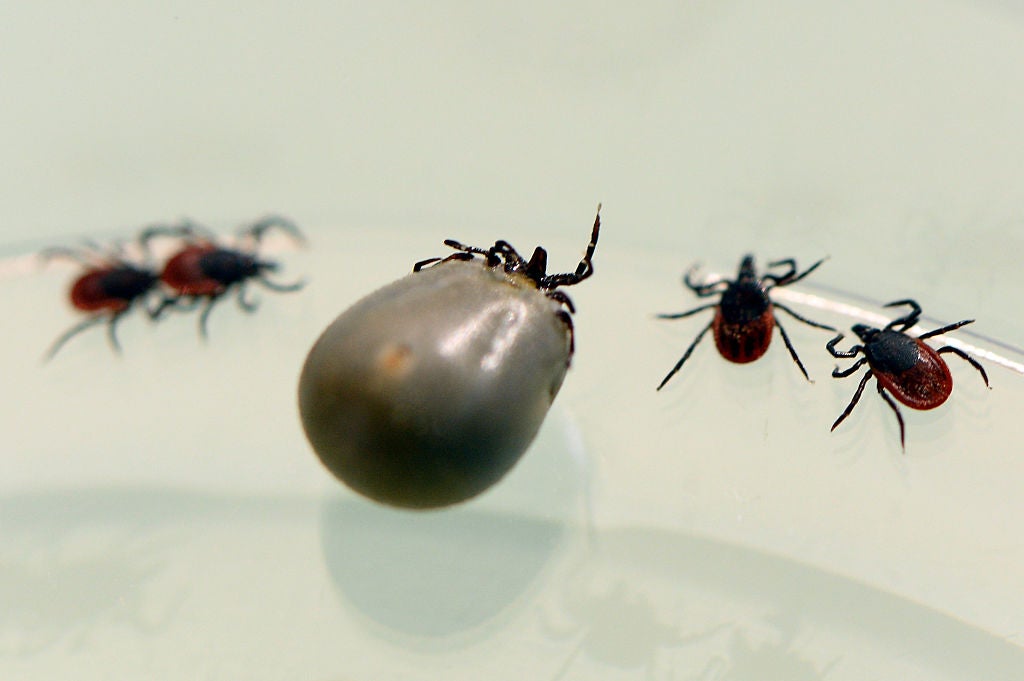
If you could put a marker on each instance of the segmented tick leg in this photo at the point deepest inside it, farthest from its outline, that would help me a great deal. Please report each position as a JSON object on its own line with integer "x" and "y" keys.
{"x": 685, "y": 356}
{"x": 853, "y": 402}
{"x": 899, "y": 416}
{"x": 970, "y": 360}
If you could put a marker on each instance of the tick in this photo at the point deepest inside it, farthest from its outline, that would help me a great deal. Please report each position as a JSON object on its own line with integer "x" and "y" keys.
{"x": 426, "y": 392}
{"x": 206, "y": 271}
{"x": 745, "y": 313}
{"x": 905, "y": 366}
{"x": 108, "y": 287}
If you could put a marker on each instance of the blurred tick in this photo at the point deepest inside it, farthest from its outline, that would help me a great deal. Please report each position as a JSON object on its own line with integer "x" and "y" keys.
{"x": 745, "y": 313}
{"x": 206, "y": 271}
{"x": 108, "y": 288}
{"x": 903, "y": 365}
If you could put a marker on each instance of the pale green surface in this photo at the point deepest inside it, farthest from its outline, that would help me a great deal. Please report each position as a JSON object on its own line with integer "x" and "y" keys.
{"x": 163, "y": 518}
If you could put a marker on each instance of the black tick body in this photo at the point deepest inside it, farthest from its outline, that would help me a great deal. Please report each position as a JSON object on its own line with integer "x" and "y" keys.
{"x": 107, "y": 289}
{"x": 744, "y": 314}
{"x": 909, "y": 369}
{"x": 203, "y": 270}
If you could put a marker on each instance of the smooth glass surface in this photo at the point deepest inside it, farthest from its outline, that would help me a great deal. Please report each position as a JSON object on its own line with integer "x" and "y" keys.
{"x": 173, "y": 521}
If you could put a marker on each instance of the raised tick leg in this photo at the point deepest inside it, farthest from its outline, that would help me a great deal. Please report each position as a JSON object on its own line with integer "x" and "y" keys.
{"x": 899, "y": 416}
{"x": 946, "y": 329}
{"x": 970, "y": 360}
{"x": 256, "y": 230}
{"x": 792, "y": 350}
{"x": 702, "y": 290}
{"x": 853, "y": 402}
{"x": 781, "y": 279}
{"x": 805, "y": 320}
{"x": 907, "y": 320}
{"x": 789, "y": 277}
{"x": 852, "y": 352}
{"x": 586, "y": 267}
{"x": 685, "y": 356}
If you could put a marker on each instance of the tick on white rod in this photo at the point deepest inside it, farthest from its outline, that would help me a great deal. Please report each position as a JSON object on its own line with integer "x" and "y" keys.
{"x": 426, "y": 392}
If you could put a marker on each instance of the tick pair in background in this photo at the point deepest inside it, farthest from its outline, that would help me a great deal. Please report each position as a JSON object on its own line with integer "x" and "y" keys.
{"x": 199, "y": 272}
{"x": 904, "y": 366}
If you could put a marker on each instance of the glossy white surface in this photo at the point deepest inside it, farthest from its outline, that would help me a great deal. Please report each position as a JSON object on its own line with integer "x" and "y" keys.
{"x": 162, "y": 516}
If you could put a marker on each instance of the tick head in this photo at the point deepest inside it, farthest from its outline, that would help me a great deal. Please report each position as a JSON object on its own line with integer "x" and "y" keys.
{"x": 537, "y": 268}
{"x": 864, "y": 332}
{"x": 747, "y": 270}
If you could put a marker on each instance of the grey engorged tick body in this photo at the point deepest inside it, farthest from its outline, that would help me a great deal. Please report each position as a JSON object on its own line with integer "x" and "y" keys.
{"x": 426, "y": 392}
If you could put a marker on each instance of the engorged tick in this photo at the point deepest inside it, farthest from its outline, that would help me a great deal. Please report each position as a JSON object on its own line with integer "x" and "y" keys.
{"x": 108, "y": 288}
{"x": 903, "y": 365}
{"x": 744, "y": 314}
{"x": 205, "y": 271}
{"x": 426, "y": 392}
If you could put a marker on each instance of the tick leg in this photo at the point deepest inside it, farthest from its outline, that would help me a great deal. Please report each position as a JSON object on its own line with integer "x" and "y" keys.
{"x": 87, "y": 258}
{"x": 455, "y": 256}
{"x": 702, "y": 290}
{"x": 260, "y": 227}
{"x": 946, "y": 329}
{"x": 71, "y": 333}
{"x": 112, "y": 331}
{"x": 852, "y": 352}
{"x": 281, "y": 288}
{"x": 907, "y": 320}
{"x": 246, "y": 305}
{"x": 805, "y": 320}
{"x": 970, "y": 360}
{"x": 789, "y": 277}
{"x": 180, "y": 302}
{"x": 836, "y": 373}
{"x": 185, "y": 230}
{"x": 686, "y": 356}
{"x": 490, "y": 253}
{"x": 205, "y": 314}
{"x": 423, "y": 263}
{"x": 154, "y": 313}
{"x": 899, "y": 416}
{"x": 853, "y": 402}
{"x": 586, "y": 266}
{"x": 781, "y": 278}
{"x": 680, "y": 315}
{"x": 567, "y": 320}
{"x": 508, "y": 252}
{"x": 792, "y": 350}
{"x": 561, "y": 298}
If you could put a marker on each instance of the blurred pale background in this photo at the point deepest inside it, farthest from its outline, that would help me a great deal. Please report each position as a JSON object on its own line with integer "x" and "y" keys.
{"x": 713, "y": 531}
